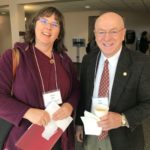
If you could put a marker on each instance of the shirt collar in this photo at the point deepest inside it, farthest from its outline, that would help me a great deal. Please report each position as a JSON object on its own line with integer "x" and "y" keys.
{"x": 112, "y": 59}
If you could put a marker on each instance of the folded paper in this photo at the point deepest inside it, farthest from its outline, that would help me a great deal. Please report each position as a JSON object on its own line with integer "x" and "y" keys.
{"x": 44, "y": 138}
{"x": 90, "y": 124}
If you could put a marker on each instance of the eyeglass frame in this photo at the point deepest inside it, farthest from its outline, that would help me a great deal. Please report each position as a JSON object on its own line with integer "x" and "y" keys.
{"x": 45, "y": 22}
{"x": 111, "y": 33}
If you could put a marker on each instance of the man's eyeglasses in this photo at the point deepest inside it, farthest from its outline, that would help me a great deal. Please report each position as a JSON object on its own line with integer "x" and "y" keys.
{"x": 44, "y": 21}
{"x": 112, "y": 33}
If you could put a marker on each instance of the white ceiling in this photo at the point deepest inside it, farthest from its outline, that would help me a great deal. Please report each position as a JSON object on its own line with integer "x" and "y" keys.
{"x": 79, "y": 5}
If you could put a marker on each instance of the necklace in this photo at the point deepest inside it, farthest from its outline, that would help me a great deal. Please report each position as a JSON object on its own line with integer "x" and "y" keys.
{"x": 53, "y": 62}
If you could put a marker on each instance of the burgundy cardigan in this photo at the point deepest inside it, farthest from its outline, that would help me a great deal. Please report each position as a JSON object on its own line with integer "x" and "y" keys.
{"x": 27, "y": 92}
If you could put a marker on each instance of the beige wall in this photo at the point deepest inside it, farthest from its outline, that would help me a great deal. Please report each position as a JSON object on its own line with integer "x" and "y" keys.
{"x": 5, "y": 33}
{"x": 76, "y": 26}
{"x": 137, "y": 21}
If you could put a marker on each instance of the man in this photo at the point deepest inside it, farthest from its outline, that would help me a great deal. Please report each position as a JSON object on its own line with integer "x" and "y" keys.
{"x": 128, "y": 91}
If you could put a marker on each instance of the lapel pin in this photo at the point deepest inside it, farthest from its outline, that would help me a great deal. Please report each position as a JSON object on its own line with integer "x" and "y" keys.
{"x": 124, "y": 73}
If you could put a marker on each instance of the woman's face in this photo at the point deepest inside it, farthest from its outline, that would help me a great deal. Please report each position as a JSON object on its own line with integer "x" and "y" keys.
{"x": 47, "y": 30}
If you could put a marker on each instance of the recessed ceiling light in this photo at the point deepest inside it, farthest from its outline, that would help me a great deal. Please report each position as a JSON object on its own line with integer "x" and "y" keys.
{"x": 87, "y": 6}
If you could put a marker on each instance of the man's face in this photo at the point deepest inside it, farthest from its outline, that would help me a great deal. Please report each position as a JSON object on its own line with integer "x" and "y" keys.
{"x": 109, "y": 33}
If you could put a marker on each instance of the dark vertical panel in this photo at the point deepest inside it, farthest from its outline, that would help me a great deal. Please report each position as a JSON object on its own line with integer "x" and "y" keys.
{"x": 91, "y": 22}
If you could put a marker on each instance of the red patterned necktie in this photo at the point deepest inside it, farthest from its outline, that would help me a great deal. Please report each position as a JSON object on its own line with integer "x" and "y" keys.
{"x": 104, "y": 91}
{"x": 104, "y": 83}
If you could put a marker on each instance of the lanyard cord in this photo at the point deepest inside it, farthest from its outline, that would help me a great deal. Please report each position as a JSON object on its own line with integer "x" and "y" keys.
{"x": 55, "y": 72}
{"x": 96, "y": 65}
{"x": 40, "y": 70}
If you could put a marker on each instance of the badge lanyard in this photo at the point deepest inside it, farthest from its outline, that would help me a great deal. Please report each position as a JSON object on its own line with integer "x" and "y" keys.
{"x": 40, "y": 71}
{"x": 96, "y": 66}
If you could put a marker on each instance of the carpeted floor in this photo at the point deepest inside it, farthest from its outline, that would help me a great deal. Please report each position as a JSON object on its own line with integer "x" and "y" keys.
{"x": 146, "y": 126}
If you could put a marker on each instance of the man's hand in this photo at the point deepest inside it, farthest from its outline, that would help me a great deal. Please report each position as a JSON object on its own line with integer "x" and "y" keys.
{"x": 79, "y": 133}
{"x": 110, "y": 121}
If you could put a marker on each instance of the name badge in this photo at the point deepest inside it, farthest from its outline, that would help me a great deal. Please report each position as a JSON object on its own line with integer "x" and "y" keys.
{"x": 52, "y": 96}
{"x": 101, "y": 101}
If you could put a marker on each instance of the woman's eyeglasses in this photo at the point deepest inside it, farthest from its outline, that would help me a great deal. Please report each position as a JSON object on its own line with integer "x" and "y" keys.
{"x": 44, "y": 21}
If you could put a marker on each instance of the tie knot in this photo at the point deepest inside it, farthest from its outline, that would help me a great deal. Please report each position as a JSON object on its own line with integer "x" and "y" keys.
{"x": 106, "y": 61}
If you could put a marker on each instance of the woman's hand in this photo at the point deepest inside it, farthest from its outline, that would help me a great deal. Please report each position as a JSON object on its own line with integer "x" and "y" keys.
{"x": 64, "y": 111}
{"x": 37, "y": 116}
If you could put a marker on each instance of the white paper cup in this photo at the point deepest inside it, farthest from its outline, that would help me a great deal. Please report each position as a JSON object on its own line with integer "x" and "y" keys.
{"x": 100, "y": 110}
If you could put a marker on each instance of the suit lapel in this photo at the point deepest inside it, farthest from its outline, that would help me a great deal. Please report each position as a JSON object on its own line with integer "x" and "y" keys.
{"x": 121, "y": 77}
{"x": 91, "y": 72}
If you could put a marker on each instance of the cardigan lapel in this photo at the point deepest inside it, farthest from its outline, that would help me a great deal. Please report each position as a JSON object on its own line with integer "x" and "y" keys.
{"x": 121, "y": 77}
{"x": 36, "y": 78}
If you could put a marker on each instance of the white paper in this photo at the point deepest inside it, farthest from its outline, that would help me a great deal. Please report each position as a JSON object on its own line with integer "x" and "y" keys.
{"x": 50, "y": 130}
{"x": 90, "y": 124}
{"x": 63, "y": 124}
{"x": 90, "y": 115}
{"x": 52, "y": 108}
{"x": 52, "y": 126}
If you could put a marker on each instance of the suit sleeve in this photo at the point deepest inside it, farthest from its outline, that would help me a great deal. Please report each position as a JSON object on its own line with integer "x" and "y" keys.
{"x": 141, "y": 111}
{"x": 82, "y": 103}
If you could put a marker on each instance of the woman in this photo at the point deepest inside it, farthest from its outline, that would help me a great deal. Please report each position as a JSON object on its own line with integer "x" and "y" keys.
{"x": 43, "y": 67}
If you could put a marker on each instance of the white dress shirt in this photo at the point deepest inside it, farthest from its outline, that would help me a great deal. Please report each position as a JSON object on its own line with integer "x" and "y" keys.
{"x": 112, "y": 69}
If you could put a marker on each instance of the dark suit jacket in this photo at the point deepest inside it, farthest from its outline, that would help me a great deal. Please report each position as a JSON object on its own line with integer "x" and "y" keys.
{"x": 130, "y": 95}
